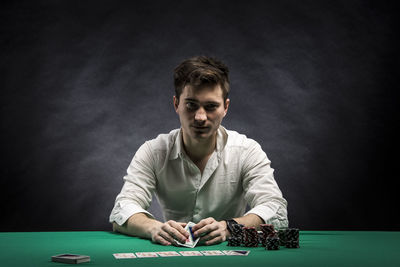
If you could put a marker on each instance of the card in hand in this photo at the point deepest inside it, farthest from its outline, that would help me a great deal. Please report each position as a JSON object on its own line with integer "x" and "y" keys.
{"x": 191, "y": 242}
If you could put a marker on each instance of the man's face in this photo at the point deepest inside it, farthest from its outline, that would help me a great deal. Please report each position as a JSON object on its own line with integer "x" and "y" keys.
{"x": 201, "y": 111}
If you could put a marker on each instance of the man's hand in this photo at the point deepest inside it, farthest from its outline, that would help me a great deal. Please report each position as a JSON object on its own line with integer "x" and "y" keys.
{"x": 166, "y": 233}
{"x": 210, "y": 231}
{"x": 141, "y": 225}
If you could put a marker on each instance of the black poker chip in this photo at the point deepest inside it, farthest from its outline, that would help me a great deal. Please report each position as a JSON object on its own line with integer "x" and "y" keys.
{"x": 234, "y": 241}
{"x": 268, "y": 229}
{"x": 236, "y": 238}
{"x": 268, "y": 237}
{"x": 272, "y": 243}
{"x": 250, "y": 237}
{"x": 261, "y": 237}
{"x": 292, "y": 234}
{"x": 282, "y": 237}
{"x": 237, "y": 230}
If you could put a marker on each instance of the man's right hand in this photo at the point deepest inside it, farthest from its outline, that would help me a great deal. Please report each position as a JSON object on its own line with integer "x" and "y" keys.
{"x": 141, "y": 225}
{"x": 166, "y": 233}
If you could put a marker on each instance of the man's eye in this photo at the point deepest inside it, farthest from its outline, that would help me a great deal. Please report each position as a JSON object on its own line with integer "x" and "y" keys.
{"x": 210, "y": 107}
{"x": 191, "y": 106}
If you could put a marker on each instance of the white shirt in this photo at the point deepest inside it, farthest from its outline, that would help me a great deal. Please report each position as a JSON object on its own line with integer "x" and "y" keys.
{"x": 238, "y": 172}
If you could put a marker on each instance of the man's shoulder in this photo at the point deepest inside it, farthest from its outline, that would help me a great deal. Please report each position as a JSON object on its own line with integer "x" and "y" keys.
{"x": 164, "y": 141}
{"x": 236, "y": 139}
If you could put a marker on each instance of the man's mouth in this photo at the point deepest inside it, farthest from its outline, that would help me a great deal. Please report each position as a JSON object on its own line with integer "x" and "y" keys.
{"x": 201, "y": 128}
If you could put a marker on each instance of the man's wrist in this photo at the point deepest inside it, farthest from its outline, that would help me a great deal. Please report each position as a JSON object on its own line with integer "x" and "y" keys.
{"x": 229, "y": 225}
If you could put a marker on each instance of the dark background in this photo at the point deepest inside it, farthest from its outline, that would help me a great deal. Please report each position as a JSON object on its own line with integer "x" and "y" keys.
{"x": 85, "y": 83}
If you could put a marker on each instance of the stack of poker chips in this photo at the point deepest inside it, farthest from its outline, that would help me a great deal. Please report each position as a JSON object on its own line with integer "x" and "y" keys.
{"x": 238, "y": 230}
{"x": 267, "y": 230}
{"x": 268, "y": 237}
{"x": 292, "y": 238}
{"x": 282, "y": 237}
{"x": 235, "y": 240}
{"x": 272, "y": 243}
{"x": 250, "y": 237}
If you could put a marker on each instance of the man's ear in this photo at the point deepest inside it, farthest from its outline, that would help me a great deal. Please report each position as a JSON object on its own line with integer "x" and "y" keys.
{"x": 176, "y": 103}
{"x": 226, "y": 105}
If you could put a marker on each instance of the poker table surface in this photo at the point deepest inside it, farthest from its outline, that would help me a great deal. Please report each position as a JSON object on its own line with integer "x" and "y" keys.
{"x": 317, "y": 248}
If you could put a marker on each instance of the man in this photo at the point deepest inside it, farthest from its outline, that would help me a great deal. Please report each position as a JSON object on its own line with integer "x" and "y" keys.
{"x": 200, "y": 172}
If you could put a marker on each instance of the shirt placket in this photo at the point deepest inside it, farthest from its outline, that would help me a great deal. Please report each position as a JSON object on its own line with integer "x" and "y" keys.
{"x": 196, "y": 182}
{"x": 211, "y": 166}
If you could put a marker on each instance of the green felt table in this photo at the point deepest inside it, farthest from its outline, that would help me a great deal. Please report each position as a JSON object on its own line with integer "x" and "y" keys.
{"x": 317, "y": 248}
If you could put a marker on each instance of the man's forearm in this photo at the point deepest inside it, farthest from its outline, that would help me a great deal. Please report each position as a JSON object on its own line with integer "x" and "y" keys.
{"x": 139, "y": 225}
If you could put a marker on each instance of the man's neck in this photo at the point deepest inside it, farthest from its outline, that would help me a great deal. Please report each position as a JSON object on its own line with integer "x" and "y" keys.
{"x": 199, "y": 149}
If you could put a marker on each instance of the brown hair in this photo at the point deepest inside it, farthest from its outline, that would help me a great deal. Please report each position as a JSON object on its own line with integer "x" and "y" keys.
{"x": 201, "y": 71}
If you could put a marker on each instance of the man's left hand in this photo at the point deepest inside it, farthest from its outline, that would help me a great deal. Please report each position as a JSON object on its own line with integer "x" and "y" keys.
{"x": 210, "y": 231}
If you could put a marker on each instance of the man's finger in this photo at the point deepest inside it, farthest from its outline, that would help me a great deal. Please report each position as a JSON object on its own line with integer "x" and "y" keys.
{"x": 206, "y": 229}
{"x": 179, "y": 228}
{"x": 211, "y": 235}
{"x": 159, "y": 239}
{"x": 198, "y": 225}
{"x": 167, "y": 237}
{"x": 203, "y": 222}
{"x": 174, "y": 233}
{"x": 182, "y": 224}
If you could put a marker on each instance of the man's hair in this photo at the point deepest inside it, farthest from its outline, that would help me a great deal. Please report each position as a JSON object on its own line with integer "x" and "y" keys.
{"x": 201, "y": 71}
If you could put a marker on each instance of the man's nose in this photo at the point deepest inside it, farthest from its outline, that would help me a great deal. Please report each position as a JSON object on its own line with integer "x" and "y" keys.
{"x": 200, "y": 115}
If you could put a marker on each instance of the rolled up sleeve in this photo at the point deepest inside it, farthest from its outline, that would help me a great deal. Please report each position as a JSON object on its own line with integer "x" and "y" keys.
{"x": 261, "y": 190}
{"x": 139, "y": 184}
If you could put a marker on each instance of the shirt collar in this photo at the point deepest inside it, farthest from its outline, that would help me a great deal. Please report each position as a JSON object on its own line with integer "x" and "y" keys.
{"x": 177, "y": 149}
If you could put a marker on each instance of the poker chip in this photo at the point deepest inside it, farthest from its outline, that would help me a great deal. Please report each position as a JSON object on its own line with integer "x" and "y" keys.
{"x": 234, "y": 241}
{"x": 268, "y": 231}
{"x": 292, "y": 234}
{"x": 236, "y": 235}
{"x": 250, "y": 237}
{"x": 292, "y": 238}
{"x": 237, "y": 230}
{"x": 272, "y": 243}
{"x": 261, "y": 237}
{"x": 270, "y": 238}
{"x": 282, "y": 237}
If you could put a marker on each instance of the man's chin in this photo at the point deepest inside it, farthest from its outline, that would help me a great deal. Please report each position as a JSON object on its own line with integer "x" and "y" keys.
{"x": 201, "y": 134}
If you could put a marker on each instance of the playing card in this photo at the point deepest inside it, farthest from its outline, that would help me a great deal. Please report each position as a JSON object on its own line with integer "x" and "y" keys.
{"x": 191, "y": 242}
{"x": 146, "y": 254}
{"x": 168, "y": 253}
{"x": 236, "y": 252}
{"x": 191, "y": 253}
{"x": 124, "y": 255}
{"x": 212, "y": 253}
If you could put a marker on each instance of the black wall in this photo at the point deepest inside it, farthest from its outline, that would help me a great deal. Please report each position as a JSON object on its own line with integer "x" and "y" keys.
{"x": 85, "y": 83}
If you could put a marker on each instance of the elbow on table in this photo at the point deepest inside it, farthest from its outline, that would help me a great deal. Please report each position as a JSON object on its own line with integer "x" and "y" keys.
{"x": 116, "y": 227}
